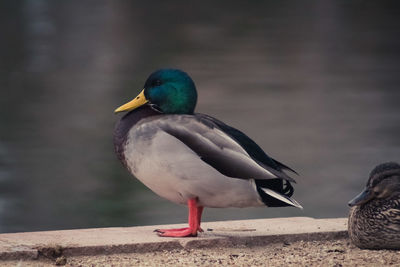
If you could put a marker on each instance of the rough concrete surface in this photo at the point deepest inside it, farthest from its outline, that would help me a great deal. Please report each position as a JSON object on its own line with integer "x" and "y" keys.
{"x": 300, "y": 253}
{"x": 265, "y": 242}
{"x": 31, "y": 245}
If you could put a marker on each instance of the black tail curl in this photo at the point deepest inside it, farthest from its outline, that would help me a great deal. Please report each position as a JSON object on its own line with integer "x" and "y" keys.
{"x": 278, "y": 185}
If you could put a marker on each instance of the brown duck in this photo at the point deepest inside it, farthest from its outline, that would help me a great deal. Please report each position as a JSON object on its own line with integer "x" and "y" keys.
{"x": 374, "y": 221}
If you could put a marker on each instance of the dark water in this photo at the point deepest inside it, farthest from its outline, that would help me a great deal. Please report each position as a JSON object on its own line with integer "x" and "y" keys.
{"x": 315, "y": 83}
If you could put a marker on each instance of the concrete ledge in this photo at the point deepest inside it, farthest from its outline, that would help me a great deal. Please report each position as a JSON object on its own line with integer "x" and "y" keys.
{"x": 53, "y": 244}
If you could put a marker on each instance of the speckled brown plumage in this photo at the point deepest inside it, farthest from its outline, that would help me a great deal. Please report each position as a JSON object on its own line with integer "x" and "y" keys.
{"x": 374, "y": 221}
{"x": 376, "y": 225}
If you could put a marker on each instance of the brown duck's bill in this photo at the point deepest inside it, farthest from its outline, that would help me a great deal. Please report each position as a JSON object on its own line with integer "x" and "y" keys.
{"x": 135, "y": 103}
{"x": 362, "y": 198}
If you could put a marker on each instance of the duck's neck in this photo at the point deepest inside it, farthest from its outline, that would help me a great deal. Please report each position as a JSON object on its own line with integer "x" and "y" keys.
{"x": 125, "y": 124}
{"x": 378, "y": 206}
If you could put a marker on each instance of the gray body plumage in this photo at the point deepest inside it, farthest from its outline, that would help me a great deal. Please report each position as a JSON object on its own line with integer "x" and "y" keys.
{"x": 181, "y": 157}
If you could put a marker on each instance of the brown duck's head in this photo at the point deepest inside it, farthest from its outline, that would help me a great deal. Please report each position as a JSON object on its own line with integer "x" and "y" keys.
{"x": 383, "y": 183}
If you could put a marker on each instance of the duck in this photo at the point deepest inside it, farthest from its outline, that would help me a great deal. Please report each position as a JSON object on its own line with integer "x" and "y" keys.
{"x": 374, "y": 219}
{"x": 194, "y": 159}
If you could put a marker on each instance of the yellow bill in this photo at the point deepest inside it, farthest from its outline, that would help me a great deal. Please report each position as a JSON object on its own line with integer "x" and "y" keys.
{"x": 135, "y": 103}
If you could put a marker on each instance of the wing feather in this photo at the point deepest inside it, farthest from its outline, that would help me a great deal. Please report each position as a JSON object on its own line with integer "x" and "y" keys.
{"x": 217, "y": 148}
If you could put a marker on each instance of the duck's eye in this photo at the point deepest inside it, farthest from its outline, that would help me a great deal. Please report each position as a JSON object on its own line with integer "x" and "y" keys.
{"x": 157, "y": 83}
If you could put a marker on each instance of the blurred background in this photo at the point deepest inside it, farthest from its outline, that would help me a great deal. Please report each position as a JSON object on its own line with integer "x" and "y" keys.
{"x": 315, "y": 83}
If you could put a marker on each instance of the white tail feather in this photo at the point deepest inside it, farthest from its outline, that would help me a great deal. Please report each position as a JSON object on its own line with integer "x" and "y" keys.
{"x": 282, "y": 198}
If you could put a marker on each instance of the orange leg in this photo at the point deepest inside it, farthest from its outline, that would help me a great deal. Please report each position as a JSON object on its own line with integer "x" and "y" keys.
{"x": 199, "y": 212}
{"x": 195, "y": 212}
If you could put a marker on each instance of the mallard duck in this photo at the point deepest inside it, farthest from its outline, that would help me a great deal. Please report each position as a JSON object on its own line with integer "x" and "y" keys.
{"x": 374, "y": 220}
{"x": 194, "y": 159}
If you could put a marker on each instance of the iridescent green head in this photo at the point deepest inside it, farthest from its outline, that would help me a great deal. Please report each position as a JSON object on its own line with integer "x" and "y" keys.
{"x": 169, "y": 91}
